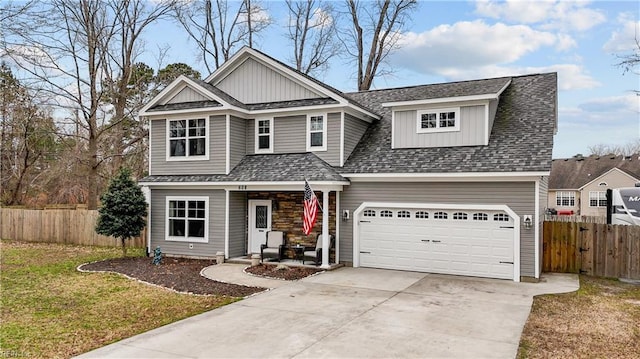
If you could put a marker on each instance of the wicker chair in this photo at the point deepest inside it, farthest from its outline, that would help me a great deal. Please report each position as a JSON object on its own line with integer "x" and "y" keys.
{"x": 274, "y": 246}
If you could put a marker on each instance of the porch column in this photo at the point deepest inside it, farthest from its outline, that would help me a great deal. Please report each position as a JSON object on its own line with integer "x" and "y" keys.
{"x": 325, "y": 229}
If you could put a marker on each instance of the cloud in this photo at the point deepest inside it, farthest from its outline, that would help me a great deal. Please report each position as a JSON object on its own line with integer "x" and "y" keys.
{"x": 624, "y": 38}
{"x": 627, "y": 103}
{"x": 474, "y": 43}
{"x": 559, "y": 15}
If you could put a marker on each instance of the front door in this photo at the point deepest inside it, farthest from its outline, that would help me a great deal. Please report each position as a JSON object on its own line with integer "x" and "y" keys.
{"x": 259, "y": 223}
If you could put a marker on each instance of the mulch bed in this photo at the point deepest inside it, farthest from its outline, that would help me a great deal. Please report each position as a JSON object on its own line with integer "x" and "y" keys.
{"x": 281, "y": 272}
{"x": 179, "y": 274}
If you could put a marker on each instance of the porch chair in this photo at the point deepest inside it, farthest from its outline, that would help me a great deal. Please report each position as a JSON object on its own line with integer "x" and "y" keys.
{"x": 315, "y": 253}
{"x": 274, "y": 247}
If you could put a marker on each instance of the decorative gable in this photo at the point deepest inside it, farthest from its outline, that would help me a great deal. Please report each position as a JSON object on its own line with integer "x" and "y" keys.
{"x": 187, "y": 94}
{"x": 255, "y": 82}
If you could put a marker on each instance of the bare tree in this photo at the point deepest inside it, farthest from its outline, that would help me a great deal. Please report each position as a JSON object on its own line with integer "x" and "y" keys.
{"x": 626, "y": 149}
{"x": 631, "y": 61}
{"x": 220, "y": 27}
{"x": 373, "y": 34}
{"x": 312, "y": 32}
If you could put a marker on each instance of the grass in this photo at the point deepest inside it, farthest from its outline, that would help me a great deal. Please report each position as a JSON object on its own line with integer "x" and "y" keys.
{"x": 50, "y": 310}
{"x": 600, "y": 320}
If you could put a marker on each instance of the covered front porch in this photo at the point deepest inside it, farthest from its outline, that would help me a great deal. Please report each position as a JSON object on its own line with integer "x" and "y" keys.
{"x": 253, "y": 211}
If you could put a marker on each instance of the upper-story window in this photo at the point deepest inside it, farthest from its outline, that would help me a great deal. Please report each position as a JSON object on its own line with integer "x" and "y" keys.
{"x": 316, "y": 132}
{"x": 438, "y": 120}
{"x": 264, "y": 135}
{"x": 565, "y": 199}
{"x": 187, "y": 139}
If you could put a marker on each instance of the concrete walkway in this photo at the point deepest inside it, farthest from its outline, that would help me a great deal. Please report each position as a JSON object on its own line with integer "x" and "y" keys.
{"x": 233, "y": 273}
{"x": 356, "y": 313}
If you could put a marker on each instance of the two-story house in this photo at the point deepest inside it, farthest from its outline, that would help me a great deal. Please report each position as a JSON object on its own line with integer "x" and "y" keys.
{"x": 578, "y": 185}
{"x": 445, "y": 178}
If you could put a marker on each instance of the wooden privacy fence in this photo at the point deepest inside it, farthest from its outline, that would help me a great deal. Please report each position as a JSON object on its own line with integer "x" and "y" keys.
{"x": 596, "y": 249}
{"x": 575, "y": 218}
{"x": 58, "y": 226}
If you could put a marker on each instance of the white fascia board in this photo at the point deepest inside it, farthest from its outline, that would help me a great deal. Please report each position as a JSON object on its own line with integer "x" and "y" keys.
{"x": 503, "y": 88}
{"x": 356, "y": 111}
{"x": 442, "y": 100}
{"x": 252, "y": 186}
{"x": 171, "y": 87}
{"x": 436, "y": 177}
{"x": 606, "y": 174}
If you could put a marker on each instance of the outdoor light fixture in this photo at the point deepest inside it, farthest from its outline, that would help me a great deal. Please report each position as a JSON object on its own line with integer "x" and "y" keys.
{"x": 345, "y": 215}
{"x": 528, "y": 222}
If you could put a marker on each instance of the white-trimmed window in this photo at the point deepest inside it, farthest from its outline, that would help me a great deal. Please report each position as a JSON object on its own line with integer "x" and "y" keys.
{"x": 438, "y": 120}
{"x": 317, "y": 132}
{"x": 264, "y": 135}
{"x": 597, "y": 199}
{"x": 187, "y": 139}
{"x": 187, "y": 219}
{"x": 567, "y": 199}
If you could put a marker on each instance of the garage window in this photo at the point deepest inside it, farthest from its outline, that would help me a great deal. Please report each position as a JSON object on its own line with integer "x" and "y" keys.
{"x": 386, "y": 213}
{"x": 500, "y": 217}
{"x": 480, "y": 217}
{"x": 440, "y": 215}
{"x": 369, "y": 213}
{"x": 460, "y": 216}
{"x": 404, "y": 214}
{"x": 422, "y": 214}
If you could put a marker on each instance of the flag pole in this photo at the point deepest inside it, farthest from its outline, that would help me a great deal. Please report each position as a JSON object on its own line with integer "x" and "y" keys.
{"x": 314, "y": 194}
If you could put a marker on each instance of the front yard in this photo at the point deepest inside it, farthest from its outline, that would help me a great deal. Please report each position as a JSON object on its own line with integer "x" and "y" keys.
{"x": 600, "y": 320}
{"x": 51, "y": 310}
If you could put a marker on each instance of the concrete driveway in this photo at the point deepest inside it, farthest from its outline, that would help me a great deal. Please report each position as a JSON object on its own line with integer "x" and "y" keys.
{"x": 356, "y": 312}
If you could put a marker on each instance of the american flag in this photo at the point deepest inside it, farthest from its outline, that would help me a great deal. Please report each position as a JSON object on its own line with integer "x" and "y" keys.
{"x": 310, "y": 209}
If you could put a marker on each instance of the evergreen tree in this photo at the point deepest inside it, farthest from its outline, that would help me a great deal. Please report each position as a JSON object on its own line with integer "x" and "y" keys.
{"x": 123, "y": 209}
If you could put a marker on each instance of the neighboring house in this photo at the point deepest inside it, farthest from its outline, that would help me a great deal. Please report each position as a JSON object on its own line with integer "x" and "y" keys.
{"x": 579, "y": 185}
{"x": 446, "y": 178}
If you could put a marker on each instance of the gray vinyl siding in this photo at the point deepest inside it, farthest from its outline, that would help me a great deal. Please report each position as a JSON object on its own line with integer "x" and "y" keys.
{"x": 289, "y": 134}
{"x": 332, "y": 154}
{"x": 217, "y": 151}
{"x": 354, "y": 128}
{"x": 216, "y": 223}
{"x": 237, "y": 140}
{"x": 472, "y": 126}
{"x": 543, "y": 193}
{"x": 187, "y": 95}
{"x": 519, "y": 196}
{"x": 237, "y": 224}
{"x": 253, "y": 82}
{"x": 250, "y": 139}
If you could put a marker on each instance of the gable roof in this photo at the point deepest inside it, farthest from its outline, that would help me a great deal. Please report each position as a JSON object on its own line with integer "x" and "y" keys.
{"x": 574, "y": 173}
{"x": 521, "y": 139}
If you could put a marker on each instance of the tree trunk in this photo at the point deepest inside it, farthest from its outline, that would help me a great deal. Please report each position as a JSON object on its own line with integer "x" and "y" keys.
{"x": 124, "y": 247}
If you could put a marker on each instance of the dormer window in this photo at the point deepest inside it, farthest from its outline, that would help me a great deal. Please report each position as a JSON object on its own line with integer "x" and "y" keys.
{"x": 187, "y": 139}
{"x": 438, "y": 120}
{"x": 264, "y": 135}
{"x": 317, "y": 132}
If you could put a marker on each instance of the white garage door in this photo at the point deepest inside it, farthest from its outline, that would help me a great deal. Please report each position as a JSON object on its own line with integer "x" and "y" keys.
{"x": 462, "y": 242}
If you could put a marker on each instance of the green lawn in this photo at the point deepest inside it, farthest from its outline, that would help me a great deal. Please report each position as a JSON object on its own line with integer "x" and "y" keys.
{"x": 51, "y": 310}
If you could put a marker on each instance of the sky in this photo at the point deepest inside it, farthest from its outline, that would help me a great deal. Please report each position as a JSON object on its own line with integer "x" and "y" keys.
{"x": 464, "y": 40}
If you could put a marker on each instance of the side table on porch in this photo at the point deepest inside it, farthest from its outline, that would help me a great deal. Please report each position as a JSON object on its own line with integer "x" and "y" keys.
{"x": 298, "y": 252}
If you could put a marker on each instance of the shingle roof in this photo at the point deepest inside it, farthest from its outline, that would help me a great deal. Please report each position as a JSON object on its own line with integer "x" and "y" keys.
{"x": 292, "y": 103}
{"x": 573, "y": 173}
{"x": 266, "y": 168}
{"x": 184, "y": 106}
{"x": 521, "y": 139}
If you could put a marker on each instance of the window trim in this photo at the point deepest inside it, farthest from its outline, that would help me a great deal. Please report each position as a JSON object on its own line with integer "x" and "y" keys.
{"x": 571, "y": 196}
{"x": 437, "y": 111}
{"x": 257, "y": 135}
{"x": 325, "y": 126}
{"x": 207, "y": 135}
{"x": 169, "y": 238}
{"x": 598, "y": 198}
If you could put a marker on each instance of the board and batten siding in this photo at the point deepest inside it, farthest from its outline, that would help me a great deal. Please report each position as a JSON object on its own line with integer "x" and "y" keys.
{"x": 217, "y": 150}
{"x": 175, "y": 248}
{"x": 332, "y": 154}
{"x": 237, "y": 140}
{"x": 472, "y": 128}
{"x": 254, "y": 82}
{"x": 187, "y": 94}
{"x": 519, "y": 196}
{"x": 237, "y": 224}
{"x": 354, "y": 129}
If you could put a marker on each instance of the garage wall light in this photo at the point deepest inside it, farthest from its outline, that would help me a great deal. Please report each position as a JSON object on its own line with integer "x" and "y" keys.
{"x": 345, "y": 215}
{"x": 528, "y": 222}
